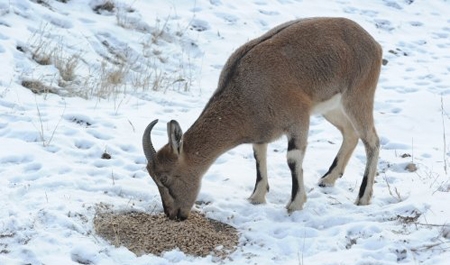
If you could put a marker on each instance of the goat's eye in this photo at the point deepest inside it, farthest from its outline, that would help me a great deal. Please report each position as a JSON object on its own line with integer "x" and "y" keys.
{"x": 163, "y": 179}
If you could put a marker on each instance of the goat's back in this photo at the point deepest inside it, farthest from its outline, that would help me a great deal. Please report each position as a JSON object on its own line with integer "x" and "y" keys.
{"x": 326, "y": 54}
{"x": 292, "y": 68}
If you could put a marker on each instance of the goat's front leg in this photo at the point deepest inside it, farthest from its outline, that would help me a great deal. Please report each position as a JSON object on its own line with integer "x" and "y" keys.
{"x": 295, "y": 155}
{"x": 262, "y": 184}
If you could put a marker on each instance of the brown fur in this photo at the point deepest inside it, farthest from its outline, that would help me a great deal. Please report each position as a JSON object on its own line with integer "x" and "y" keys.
{"x": 269, "y": 87}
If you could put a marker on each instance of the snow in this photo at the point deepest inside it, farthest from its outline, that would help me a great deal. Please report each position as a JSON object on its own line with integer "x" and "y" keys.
{"x": 52, "y": 175}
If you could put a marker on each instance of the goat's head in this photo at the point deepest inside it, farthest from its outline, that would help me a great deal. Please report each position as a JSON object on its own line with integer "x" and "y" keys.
{"x": 178, "y": 184}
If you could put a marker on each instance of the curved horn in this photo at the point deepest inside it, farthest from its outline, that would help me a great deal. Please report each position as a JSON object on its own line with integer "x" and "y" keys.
{"x": 149, "y": 150}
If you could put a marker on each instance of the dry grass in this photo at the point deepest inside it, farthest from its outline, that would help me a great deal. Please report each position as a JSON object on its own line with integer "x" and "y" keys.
{"x": 46, "y": 49}
{"x": 66, "y": 65}
{"x": 114, "y": 68}
{"x": 106, "y": 6}
{"x": 110, "y": 79}
{"x": 144, "y": 233}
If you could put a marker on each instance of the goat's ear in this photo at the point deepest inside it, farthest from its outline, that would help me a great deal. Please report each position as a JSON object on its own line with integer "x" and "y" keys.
{"x": 175, "y": 135}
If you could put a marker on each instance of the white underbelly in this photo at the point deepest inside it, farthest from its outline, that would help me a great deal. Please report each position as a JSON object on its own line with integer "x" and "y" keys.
{"x": 326, "y": 106}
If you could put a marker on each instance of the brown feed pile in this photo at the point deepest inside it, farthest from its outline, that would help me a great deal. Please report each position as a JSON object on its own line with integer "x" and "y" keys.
{"x": 144, "y": 233}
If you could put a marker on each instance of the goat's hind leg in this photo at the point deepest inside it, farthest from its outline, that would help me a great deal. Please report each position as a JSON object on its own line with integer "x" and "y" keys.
{"x": 262, "y": 184}
{"x": 349, "y": 142}
{"x": 362, "y": 120}
{"x": 372, "y": 146}
{"x": 296, "y": 153}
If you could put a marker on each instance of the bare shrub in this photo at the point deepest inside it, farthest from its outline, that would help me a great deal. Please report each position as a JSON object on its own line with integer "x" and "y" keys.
{"x": 111, "y": 78}
{"x": 66, "y": 65}
{"x": 39, "y": 46}
{"x": 45, "y": 50}
{"x": 127, "y": 18}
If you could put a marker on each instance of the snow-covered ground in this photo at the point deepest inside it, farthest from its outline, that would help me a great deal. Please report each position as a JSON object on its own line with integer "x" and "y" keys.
{"x": 144, "y": 60}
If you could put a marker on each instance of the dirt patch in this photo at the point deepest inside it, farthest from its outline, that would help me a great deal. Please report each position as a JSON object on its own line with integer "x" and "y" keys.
{"x": 144, "y": 233}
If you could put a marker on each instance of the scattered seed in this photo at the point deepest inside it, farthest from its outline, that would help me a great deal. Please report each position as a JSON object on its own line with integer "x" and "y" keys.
{"x": 143, "y": 233}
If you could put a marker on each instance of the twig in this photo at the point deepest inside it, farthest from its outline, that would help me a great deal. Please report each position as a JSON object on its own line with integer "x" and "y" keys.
{"x": 132, "y": 126}
{"x": 398, "y": 197}
{"x": 429, "y": 246}
{"x": 57, "y": 125}
{"x": 434, "y": 225}
{"x": 301, "y": 258}
{"x": 41, "y": 132}
{"x": 443, "y": 135}
{"x": 112, "y": 177}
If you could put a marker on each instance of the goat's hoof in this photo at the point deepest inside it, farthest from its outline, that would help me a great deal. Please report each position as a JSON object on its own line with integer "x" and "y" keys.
{"x": 326, "y": 183}
{"x": 362, "y": 201}
{"x": 296, "y": 205}
{"x": 256, "y": 201}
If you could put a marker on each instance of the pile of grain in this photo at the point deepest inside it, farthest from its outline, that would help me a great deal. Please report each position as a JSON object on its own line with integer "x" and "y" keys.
{"x": 143, "y": 233}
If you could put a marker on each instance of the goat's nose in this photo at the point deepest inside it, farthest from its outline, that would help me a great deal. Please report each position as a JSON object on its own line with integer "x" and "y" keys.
{"x": 172, "y": 216}
{"x": 182, "y": 215}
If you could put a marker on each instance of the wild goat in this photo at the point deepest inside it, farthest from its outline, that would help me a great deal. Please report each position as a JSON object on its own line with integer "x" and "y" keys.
{"x": 269, "y": 87}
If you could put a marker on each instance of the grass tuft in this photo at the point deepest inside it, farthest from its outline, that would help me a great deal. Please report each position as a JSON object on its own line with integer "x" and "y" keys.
{"x": 107, "y": 5}
{"x": 115, "y": 68}
{"x": 37, "y": 87}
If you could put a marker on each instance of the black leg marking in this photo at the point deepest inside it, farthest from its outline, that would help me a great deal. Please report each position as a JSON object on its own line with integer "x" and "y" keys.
{"x": 292, "y": 166}
{"x": 295, "y": 186}
{"x": 362, "y": 189}
{"x": 335, "y": 161}
{"x": 258, "y": 175}
{"x": 258, "y": 172}
{"x": 291, "y": 145}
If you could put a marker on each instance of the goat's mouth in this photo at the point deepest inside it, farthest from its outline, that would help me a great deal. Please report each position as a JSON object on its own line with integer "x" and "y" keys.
{"x": 180, "y": 216}
{"x": 176, "y": 214}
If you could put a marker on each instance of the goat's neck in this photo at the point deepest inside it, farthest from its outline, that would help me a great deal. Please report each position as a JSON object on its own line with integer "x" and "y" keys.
{"x": 213, "y": 134}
